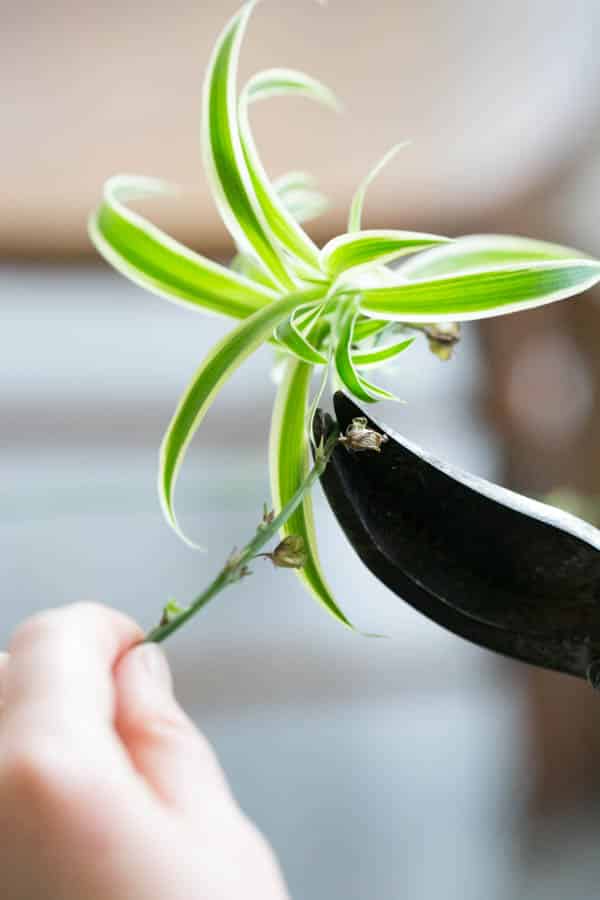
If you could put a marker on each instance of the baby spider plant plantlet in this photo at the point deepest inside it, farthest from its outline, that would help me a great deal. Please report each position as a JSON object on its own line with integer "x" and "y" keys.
{"x": 340, "y": 309}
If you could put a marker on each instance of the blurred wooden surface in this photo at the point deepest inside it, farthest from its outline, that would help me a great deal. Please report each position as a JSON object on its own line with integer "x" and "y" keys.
{"x": 543, "y": 399}
{"x": 495, "y": 98}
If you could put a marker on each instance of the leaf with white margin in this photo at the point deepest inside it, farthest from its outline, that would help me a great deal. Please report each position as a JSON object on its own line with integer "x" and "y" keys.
{"x": 219, "y": 365}
{"x": 474, "y": 278}
{"x": 299, "y": 194}
{"x": 344, "y": 362}
{"x": 366, "y": 327}
{"x": 369, "y": 359}
{"x": 289, "y": 463}
{"x": 224, "y": 158}
{"x": 247, "y": 264}
{"x": 159, "y": 263}
{"x": 360, "y": 248}
{"x": 474, "y": 252}
{"x": 290, "y": 334}
{"x": 281, "y": 223}
{"x": 358, "y": 200}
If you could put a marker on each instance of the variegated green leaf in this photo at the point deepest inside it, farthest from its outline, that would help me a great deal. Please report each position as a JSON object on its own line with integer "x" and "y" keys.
{"x": 314, "y": 404}
{"x": 282, "y": 224}
{"x": 247, "y": 264}
{"x": 224, "y": 158}
{"x": 292, "y": 334}
{"x": 356, "y": 207}
{"x": 344, "y": 362}
{"x": 369, "y": 359}
{"x": 365, "y": 328}
{"x": 288, "y": 82}
{"x": 486, "y": 277}
{"x": 157, "y": 262}
{"x": 218, "y": 366}
{"x": 479, "y": 252}
{"x": 362, "y": 247}
{"x": 378, "y": 393}
{"x": 289, "y": 462}
{"x": 298, "y": 193}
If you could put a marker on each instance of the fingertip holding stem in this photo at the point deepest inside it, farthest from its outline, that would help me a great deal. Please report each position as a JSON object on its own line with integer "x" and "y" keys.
{"x": 4, "y": 658}
{"x": 145, "y": 668}
{"x": 162, "y": 741}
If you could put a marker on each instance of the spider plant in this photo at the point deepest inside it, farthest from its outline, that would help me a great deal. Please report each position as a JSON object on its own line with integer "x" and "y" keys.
{"x": 338, "y": 309}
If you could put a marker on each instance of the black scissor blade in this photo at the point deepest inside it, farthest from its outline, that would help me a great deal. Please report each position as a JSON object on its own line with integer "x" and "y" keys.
{"x": 497, "y": 568}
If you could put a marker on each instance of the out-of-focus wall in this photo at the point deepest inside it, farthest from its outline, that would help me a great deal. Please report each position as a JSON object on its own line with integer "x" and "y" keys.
{"x": 494, "y": 96}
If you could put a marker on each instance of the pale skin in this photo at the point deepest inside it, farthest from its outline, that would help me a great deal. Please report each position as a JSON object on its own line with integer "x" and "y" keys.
{"x": 107, "y": 789}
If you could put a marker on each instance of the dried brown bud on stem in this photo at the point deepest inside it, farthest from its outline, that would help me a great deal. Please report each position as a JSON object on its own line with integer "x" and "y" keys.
{"x": 290, "y": 553}
{"x": 442, "y": 338}
{"x": 268, "y": 516}
{"x": 358, "y": 437}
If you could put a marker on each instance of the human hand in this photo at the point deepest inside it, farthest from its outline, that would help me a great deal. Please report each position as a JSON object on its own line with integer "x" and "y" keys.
{"x": 107, "y": 790}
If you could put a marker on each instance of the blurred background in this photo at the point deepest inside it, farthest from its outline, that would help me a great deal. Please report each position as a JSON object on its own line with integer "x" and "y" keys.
{"x": 378, "y": 769}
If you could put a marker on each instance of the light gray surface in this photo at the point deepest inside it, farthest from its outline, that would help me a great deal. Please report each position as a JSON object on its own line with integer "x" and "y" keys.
{"x": 88, "y": 358}
{"x": 390, "y": 800}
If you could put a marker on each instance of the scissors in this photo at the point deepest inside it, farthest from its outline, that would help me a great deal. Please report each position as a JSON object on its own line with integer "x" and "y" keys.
{"x": 497, "y": 568}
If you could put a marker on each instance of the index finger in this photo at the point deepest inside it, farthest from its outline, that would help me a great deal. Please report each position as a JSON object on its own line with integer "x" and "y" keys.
{"x": 60, "y": 674}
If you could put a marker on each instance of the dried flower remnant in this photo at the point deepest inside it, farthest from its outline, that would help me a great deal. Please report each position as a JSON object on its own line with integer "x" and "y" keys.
{"x": 358, "y": 437}
{"x": 267, "y": 518}
{"x": 442, "y": 338}
{"x": 290, "y": 553}
{"x": 235, "y": 566}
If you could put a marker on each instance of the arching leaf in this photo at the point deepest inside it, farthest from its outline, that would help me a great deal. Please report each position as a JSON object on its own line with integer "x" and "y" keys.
{"x": 289, "y": 463}
{"x": 157, "y": 262}
{"x": 474, "y": 278}
{"x": 293, "y": 335}
{"x": 214, "y": 371}
{"x": 371, "y": 358}
{"x": 344, "y": 363}
{"x": 298, "y": 193}
{"x": 361, "y": 247}
{"x": 356, "y": 207}
{"x": 282, "y": 224}
{"x": 224, "y": 158}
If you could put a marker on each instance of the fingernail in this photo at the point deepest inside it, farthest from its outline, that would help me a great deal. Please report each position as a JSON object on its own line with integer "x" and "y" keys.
{"x": 155, "y": 664}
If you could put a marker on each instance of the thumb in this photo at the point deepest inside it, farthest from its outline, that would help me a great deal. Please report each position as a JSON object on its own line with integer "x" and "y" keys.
{"x": 4, "y": 658}
{"x": 163, "y": 743}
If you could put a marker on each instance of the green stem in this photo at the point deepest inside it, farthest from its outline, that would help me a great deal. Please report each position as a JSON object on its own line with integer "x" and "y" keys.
{"x": 234, "y": 568}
